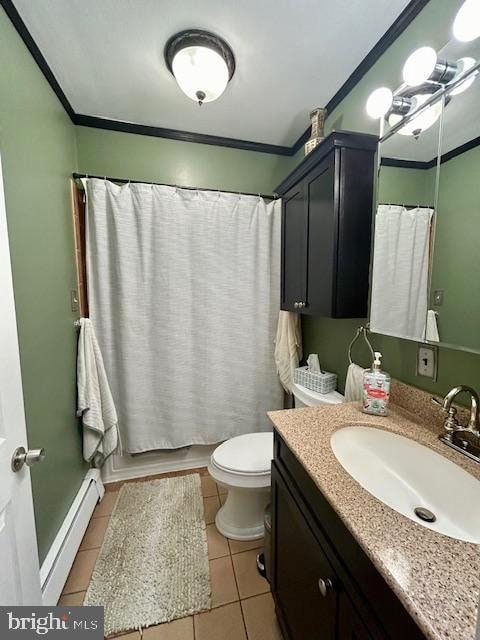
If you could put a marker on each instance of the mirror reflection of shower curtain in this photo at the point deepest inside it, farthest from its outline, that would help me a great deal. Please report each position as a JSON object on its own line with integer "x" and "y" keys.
{"x": 400, "y": 271}
{"x": 183, "y": 290}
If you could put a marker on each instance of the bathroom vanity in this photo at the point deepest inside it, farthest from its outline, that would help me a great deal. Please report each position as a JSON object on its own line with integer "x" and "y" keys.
{"x": 344, "y": 565}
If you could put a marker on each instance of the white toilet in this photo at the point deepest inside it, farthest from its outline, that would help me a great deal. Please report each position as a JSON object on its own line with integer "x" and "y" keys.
{"x": 242, "y": 466}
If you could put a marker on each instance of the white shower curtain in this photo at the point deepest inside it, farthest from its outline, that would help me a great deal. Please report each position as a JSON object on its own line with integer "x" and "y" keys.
{"x": 400, "y": 271}
{"x": 183, "y": 289}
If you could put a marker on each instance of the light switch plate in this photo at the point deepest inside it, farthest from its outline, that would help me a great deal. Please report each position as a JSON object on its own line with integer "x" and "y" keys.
{"x": 73, "y": 301}
{"x": 427, "y": 361}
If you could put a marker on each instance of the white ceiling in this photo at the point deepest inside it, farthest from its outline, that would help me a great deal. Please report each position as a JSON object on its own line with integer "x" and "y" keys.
{"x": 291, "y": 55}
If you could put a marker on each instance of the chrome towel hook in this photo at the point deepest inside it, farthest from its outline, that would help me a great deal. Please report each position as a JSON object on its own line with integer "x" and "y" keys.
{"x": 360, "y": 331}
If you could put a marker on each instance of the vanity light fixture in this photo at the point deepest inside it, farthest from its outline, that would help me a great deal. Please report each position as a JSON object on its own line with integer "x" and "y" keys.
{"x": 382, "y": 100}
{"x": 423, "y": 65}
{"x": 201, "y": 62}
{"x": 466, "y": 26}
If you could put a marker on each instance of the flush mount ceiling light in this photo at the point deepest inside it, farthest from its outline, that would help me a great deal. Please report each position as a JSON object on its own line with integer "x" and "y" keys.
{"x": 464, "y": 64}
{"x": 201, "y": 62}
{"x": 466, "y": 26}
{"x": 421, "y": 122}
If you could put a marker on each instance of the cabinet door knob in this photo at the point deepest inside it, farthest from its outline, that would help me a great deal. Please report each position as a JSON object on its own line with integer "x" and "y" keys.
{"x": 325, "y": 586}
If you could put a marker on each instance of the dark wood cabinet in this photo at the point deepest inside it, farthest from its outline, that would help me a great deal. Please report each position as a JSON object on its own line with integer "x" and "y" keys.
{"x": 326, "y": 228}
{"x": 302, "y": 565}
{"x": 324, "y": 585}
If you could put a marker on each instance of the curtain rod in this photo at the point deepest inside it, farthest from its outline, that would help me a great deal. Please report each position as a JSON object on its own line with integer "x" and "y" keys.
{"x": 407, "y": 206}
{"x": 78, "y": 176}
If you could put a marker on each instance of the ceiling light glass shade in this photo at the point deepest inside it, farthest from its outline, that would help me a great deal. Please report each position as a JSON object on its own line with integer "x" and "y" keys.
{"x": 423, "y": 121}
{"x": 201, "y": 73}
{"x": 379, "y": 102}
{"x": 464, "y": 64}
{"x": 419, "y": 66}
{"x": 466, "y": 26}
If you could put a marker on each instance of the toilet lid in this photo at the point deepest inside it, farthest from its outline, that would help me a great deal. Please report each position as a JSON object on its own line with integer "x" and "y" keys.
{"x": 250, "y": 453}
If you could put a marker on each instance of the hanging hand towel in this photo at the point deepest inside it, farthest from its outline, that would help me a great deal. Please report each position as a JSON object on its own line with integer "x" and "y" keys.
{"x": 95, "y": 402}
{"x": 288, "y": 347}
{"x": 354, "y": 383}
{"x": 431, "y": 327}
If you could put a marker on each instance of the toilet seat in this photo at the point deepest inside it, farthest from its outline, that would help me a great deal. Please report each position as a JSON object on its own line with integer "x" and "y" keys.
{"x": 247, "y": 455}
{"x": 242, "y": 466}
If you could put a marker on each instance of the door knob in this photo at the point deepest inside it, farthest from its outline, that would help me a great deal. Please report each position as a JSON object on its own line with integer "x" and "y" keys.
{"x": 325, "y": 586}
{"x": 21, "y": 457}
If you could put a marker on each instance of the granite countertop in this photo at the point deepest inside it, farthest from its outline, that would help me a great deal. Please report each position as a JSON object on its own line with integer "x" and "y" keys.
{"x": 437, "y": 578}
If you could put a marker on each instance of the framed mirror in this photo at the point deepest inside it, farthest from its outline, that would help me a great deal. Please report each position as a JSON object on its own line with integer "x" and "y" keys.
{"x": 426, "y": 252}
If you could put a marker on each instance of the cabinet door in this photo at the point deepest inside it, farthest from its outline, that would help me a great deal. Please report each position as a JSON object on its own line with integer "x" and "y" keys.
{"x": 350, "y": 625}
{"x": 322, "y": 239}
{"x": 294, "y": 248}
{"x": 298, "y": 564}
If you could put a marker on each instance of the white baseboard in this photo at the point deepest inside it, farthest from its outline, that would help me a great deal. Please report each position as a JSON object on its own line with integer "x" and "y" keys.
{"x": 127, "y": 466}
{"x": 59, "y": 560}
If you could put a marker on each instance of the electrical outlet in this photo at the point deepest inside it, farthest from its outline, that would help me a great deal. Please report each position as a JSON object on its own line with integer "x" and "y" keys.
{"x": 427, "y": 358}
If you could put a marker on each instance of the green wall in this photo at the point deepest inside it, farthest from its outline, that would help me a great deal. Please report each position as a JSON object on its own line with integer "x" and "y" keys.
{"x": 37, "y": 144}
{"x": 135, "y": 157}
{"x": 456, "y": 258}
{"x": 406, "y": 186}
{"x": 330, "y": 338}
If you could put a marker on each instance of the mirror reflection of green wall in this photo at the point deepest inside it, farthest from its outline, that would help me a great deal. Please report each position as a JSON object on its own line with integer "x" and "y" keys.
{"x": 454, "y": 292}
{"x": 456, "y": 258}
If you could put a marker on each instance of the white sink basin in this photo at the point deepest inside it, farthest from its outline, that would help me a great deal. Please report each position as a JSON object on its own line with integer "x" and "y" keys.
{"x": 406, "y": 475}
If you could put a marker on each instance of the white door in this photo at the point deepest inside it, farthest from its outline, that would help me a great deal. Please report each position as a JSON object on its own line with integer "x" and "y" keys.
{"x": 19, "y": 573}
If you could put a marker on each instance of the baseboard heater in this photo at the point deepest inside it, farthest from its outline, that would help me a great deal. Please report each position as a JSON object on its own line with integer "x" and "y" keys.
{"x": 56, "y": 566}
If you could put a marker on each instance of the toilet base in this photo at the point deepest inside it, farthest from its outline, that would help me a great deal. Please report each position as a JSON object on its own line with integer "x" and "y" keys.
{"x": 241, "y": 517}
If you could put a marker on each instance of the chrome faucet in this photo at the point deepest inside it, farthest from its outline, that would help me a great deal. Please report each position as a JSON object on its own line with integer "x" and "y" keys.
{"x": 465, "y": 439}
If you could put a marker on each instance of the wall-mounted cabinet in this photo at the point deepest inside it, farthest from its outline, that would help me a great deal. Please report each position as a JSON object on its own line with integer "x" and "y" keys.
{"x": 326, "y": 228}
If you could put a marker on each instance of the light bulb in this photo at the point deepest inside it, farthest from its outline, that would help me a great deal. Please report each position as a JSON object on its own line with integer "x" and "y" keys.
{"x": 464, "y": 64}
{"x": 419, "y": 66}
{"x": 201, "y": 73}
{"x": 466, "y": 26}
{"x": 379, "y": 102}
{"x": 424, "y": 120}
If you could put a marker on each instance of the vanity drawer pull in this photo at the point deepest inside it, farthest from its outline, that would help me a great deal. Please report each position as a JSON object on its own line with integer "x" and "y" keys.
{"x": 325, "y": 586}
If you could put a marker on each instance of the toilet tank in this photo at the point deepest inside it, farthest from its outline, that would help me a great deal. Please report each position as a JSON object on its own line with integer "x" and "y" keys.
{"x": 307, "y": 398}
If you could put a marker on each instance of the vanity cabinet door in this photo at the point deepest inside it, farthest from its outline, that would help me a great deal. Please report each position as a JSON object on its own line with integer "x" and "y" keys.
{"x": 350, "y": 625}
{"x": 294, "y": 248}
{"x": 298, "y": 565}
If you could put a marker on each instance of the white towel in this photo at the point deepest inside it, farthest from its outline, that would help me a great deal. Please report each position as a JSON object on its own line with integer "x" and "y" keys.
{"x": 431, "y": 328}
{"x": 354, "y": 384}
{"x": 95, "y": 402}
{"x": 288, "y": 347}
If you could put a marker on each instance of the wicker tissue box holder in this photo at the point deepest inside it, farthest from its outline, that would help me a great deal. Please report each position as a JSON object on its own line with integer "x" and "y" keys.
{"x": 320, "y": 382}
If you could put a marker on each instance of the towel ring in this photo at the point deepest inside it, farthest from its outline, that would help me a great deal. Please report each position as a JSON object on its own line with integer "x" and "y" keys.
{"x": 360, "y": 331}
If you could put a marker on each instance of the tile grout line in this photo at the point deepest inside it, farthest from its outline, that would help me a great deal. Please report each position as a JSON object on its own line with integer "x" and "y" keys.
{"x": 238, "y": 591}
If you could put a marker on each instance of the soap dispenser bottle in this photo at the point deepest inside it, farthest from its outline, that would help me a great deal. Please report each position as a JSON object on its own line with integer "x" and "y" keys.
{"x": 376, "y": 388}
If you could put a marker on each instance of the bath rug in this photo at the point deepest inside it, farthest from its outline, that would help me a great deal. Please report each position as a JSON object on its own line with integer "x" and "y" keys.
{"x": 153, "y": 564}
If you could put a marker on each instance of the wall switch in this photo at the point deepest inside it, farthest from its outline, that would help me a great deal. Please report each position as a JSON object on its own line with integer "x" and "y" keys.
{"x": 73, "y": 301}
{"x": 427, "y": 359}
{"x": 438, "y": 297}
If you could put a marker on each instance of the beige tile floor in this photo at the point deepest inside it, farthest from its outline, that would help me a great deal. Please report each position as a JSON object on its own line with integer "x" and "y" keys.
{"x": 242, "y": 605}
